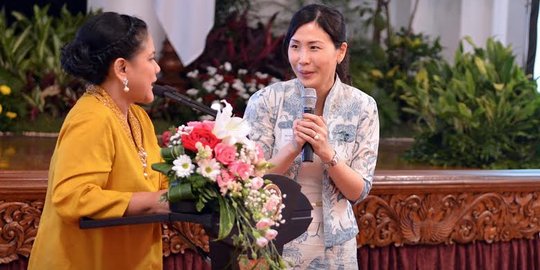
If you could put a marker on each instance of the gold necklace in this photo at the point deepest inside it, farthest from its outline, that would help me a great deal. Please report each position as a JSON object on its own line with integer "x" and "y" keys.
{"x": 131, "y": 125}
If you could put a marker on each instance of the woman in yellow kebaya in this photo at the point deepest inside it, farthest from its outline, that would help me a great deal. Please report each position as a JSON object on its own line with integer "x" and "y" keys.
{"x": 101, "y": 164}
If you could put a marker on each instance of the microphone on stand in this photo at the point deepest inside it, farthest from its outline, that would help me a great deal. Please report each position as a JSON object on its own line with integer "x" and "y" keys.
{"x": 309, "y": 98}
{"x": 171, "y": 92}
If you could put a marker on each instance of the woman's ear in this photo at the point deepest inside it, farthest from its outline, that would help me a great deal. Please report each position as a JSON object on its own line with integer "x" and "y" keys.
{"x": 119, "y": 68}
{"x": 342, "y": 51}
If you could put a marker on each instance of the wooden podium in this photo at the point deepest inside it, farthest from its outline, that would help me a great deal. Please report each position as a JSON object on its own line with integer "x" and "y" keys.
{"x": 297, "y": 216}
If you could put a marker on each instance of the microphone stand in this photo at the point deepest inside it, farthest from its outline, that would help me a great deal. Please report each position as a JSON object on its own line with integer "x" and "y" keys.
{"x": 171, "y": 92}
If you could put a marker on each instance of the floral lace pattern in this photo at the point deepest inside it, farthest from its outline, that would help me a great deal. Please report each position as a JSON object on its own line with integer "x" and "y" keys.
{"x": 353, "y": 125}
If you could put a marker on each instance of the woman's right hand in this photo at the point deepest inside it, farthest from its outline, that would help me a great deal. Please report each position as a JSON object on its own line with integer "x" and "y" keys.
{"x": 147, "y": 203}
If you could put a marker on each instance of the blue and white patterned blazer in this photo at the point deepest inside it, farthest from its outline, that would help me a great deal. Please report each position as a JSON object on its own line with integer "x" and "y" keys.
{"x": 353, "y": 127}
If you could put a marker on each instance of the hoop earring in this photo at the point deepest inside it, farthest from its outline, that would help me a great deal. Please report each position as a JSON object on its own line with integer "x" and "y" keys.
{"x": 125, "y": 82}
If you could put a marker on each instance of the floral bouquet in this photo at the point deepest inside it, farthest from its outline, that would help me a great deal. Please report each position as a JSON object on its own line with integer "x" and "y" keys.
{"x": 217, "y": 166}
{"x": 224, "y": 82}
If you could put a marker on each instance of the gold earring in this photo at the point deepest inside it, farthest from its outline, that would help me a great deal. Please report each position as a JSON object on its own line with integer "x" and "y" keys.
{"x": 125, "y": 82}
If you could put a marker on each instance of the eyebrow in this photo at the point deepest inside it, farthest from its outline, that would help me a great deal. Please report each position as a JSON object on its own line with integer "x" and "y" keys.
{"x": 309, "y": 42}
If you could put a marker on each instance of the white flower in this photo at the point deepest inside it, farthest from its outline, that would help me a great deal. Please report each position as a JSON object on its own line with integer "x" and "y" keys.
{"x": 216, "y": 105}
{"x": 193, "y": 73}
{"x": 203, "y": 151}
{"x": 221, "y": 93}
{"x": 261, "y": 75}
{"x": 209, "y": 168}
{"x": 209, "y": 85}
{"x": 218, "y": 78}
{"x": 183, "y": 166}
{"x": 239, "y": 85}
{"x": 211, "y": 70}
{"x": 230, "y": 129}
{"x": 192, "y": 92}
{"x": 227, "y": 66}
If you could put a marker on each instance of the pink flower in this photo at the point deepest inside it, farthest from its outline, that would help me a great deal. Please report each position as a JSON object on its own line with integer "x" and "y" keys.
{"x": 256, "y": 183}
{"x": 240, "y": 169}
{"x": 270, "y": 234}
{"x": 262, "y": 242}
{"x": 207, "y": 125}
{"x": 264, "y": 223}
{"x": 225, "y": 154}
{"x": 271, "y": 204}
{"x": 223, "y": 180}
{"x": 260, "y": 152}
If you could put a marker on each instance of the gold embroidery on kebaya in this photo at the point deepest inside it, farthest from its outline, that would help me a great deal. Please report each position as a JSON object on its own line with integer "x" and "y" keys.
{"x": 131, "y": 125}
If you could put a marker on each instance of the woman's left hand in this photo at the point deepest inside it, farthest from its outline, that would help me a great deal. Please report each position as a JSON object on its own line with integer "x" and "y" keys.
{"x": 312, "y": 128}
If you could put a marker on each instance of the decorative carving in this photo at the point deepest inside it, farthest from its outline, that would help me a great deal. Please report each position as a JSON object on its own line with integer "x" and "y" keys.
{"x": 447, "y": 218}
{"x": 404, "y": 208}
{"x": 179, "y": 236}
{"x": 18, "y": 227}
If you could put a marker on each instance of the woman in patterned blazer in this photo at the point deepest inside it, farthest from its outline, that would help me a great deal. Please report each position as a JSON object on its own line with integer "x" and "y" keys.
{"x": 343, "y": 131}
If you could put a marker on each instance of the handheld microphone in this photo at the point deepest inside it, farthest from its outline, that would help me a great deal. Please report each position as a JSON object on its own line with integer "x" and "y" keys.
{"x": 170, "y": 92}
{"x": 309, "y": 98}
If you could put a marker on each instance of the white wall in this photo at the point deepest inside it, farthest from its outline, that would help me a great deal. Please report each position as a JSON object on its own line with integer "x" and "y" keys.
{"x": 139, "y": 9}
{"x": 505, "y": 20}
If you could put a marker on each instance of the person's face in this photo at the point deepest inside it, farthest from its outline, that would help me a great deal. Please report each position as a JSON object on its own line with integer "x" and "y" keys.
{"x": 313, "y": 56}
{"x": 141, "y": 72}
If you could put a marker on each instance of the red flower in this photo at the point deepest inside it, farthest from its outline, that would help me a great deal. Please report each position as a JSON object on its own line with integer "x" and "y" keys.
{"x": 165, "y": 137}
{"x": 203, "y": 135}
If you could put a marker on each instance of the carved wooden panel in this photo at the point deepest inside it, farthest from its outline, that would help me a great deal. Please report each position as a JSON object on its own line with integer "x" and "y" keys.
{"x": 447, "y": 218}
{"x": 403, "y": 208}
{"x": 18, "y": 227}
{"x": 178, "y": 236}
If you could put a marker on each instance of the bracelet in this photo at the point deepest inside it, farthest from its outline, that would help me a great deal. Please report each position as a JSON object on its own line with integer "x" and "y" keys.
{"x": 333, "y": 162}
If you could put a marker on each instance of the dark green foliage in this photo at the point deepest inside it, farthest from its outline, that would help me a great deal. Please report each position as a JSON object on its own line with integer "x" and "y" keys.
{"x": 30, "y": 59}
{"x": 481, "y": 112}
{"x": 376, "y": 69}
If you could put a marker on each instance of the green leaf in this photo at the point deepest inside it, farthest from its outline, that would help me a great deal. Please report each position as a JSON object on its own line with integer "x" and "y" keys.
{"x": 180, "y": 191}
{"x": 171, "y": 153}
{"x": 480, "y": 65}
{"x": 464, "y": 110}
{"x": 226, "y": 218}
{"x": 162, "y": 167}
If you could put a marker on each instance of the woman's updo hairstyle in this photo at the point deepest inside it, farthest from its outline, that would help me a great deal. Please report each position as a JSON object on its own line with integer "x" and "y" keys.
{"x": 101, "y": 40}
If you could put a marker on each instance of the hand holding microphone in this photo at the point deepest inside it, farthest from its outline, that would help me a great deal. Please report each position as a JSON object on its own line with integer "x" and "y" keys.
{"x": 311, "y": 131}
{"x": 309, "y": 99}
